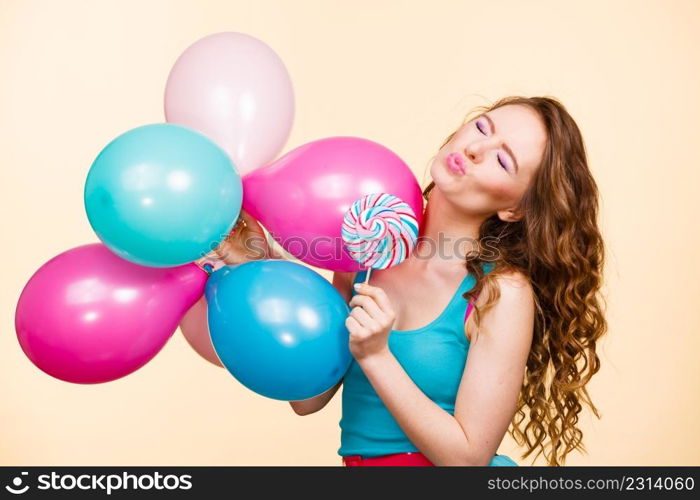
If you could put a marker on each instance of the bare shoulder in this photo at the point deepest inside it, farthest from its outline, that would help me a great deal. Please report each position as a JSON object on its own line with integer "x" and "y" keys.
{"x": 514, "y": 284}
{"x": 512, "y": 314}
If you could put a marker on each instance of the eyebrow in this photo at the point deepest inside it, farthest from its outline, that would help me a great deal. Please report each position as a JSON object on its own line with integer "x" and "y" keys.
{"x": 505, "y": 146}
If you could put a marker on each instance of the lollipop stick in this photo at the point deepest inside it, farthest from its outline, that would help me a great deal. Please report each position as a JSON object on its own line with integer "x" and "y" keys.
{"x": 369, "y": 271}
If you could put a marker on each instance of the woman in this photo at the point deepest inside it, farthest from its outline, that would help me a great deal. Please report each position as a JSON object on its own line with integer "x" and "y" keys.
{"x": 510, "y": 226}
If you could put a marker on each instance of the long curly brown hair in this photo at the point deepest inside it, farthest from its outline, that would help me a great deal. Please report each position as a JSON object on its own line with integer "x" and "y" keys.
{"x": 558, "y": 246}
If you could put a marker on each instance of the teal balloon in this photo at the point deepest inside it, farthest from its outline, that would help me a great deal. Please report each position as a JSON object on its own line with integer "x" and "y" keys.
{"x": 279, "y": 328}
{"x": 162, "y": 195}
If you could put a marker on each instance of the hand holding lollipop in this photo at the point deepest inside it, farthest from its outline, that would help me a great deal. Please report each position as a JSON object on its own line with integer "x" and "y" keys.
{"x": 380, "y": 231}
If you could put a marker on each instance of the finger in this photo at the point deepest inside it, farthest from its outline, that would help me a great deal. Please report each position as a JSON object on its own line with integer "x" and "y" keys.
{"x": 230, "y": 235}
{"x": 378, "y": 295}
{"x": 364, "y": 319}
{"x": 353, "y": 326}
{"x": 241, "y": 224}
{"x": 222, "y": 249}
{"x": 368, "y": 304}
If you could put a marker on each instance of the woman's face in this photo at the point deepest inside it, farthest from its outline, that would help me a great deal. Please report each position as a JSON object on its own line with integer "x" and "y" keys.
{"x": 487, "y": 165}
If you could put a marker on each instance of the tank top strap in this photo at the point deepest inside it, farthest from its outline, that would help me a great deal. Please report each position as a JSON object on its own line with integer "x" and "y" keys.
{"x": 466, "y": 284}
{"x": 488, "y": 267}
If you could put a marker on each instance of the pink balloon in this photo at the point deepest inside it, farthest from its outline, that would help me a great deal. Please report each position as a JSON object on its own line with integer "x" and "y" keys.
{"x": 236, "y": 90}
{"x": 195, "y": 328}
{"x": 88, "y": 316}
{"x": 302, "y": 197}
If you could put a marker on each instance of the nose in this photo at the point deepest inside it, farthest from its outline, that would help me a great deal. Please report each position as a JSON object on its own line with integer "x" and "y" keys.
{"x": 475, "y": 150}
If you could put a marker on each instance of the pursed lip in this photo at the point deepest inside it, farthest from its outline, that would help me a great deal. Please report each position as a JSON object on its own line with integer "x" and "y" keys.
{"x": 455, "y": 162}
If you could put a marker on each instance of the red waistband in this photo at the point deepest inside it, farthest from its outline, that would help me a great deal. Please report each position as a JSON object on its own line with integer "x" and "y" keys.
{"x": 413, "y": 458}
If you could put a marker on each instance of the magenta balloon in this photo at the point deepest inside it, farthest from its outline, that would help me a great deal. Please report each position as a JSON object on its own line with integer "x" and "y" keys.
{"x": 301, "y": 198}
{"x": 236, "y": 90}
{"x": 88, "y": 316}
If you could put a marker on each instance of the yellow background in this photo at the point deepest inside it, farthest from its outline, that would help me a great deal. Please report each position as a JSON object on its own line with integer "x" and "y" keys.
{"x": 75, "y": 74}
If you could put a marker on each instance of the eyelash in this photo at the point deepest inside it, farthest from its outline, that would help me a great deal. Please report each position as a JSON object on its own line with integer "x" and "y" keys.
{"x": 499, "y": 158}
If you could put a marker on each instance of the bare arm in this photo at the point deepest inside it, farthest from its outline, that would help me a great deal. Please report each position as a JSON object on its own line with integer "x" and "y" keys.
{"x": 342, "y": 282}
{"x": 247, "y": 242}
{"x": 312, "y": 405}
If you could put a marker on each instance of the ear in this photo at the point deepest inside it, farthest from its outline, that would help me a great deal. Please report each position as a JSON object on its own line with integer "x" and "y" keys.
{"x": 510, "y": 215}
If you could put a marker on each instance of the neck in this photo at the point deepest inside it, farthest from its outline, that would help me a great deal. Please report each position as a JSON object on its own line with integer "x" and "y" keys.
{"x": 446, "y": 233}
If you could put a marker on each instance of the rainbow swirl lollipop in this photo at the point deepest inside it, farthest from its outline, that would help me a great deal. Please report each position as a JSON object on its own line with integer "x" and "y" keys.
{"x": 379, "y": 231}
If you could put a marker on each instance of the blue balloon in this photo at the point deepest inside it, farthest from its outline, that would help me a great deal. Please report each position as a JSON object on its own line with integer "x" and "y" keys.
{"x": 162, "y": 195}
{"x": 279, "y": 328}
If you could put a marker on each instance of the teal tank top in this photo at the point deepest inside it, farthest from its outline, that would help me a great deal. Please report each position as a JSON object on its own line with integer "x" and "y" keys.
{"x": 433, "y": 356}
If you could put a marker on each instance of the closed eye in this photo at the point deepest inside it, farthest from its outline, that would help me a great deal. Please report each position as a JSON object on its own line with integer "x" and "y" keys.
{"x": 478, "y": 126}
